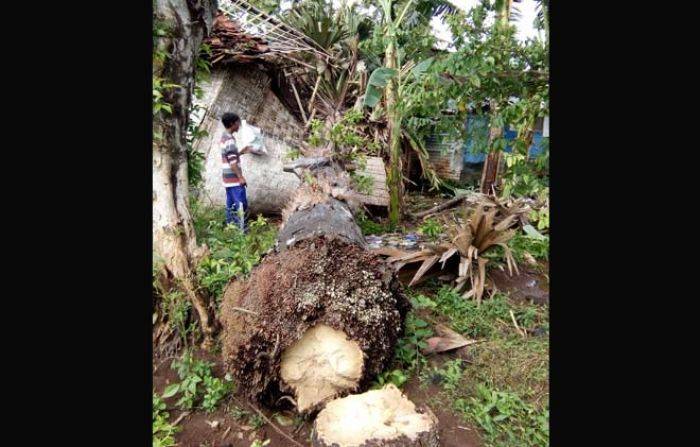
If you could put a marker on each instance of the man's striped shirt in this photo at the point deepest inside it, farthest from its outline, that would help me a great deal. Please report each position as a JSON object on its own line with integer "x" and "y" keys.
{"x": 229, "y": 154}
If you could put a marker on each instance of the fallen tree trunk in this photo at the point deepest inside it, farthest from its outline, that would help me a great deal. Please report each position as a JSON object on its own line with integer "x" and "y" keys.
{"x": 321, "y": 316}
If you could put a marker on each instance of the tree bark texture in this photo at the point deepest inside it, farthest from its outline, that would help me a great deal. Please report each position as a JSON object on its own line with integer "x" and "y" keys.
{"x": 394, "y": 176}
{"x": 174, "y": 241}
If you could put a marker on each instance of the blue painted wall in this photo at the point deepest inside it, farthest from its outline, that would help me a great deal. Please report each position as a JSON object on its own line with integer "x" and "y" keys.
{"x": 479, "y": 131}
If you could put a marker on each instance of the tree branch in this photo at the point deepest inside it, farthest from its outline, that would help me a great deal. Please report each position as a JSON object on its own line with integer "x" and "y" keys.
{"x": 306, "y": 162}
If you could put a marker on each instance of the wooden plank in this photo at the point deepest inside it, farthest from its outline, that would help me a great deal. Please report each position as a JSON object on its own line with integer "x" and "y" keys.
{"x": 380, "y": 193}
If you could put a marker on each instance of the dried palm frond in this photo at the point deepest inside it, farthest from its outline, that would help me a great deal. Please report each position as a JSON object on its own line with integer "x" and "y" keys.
{"x": 488, "y": 225}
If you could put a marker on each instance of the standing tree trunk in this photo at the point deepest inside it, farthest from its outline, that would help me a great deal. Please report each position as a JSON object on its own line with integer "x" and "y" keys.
{"x": 489, "y": 175}
{"x": 174, "y": 241}
{"x": 394, "y": 177}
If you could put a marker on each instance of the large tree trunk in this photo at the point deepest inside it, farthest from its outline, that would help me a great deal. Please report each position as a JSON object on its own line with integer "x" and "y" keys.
{"x": 174, "y": 240}
{"x": 321, "y": 316}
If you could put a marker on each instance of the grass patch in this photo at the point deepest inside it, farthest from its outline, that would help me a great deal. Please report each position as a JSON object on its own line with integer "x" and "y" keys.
{"x": 538, "y": 248}
{"x": 521, "y": 245}
{"x": 503, "y": 386}
{"x": 506, "y": 420}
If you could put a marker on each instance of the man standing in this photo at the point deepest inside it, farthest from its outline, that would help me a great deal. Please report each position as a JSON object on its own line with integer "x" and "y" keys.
{"x": 234, "y": 182}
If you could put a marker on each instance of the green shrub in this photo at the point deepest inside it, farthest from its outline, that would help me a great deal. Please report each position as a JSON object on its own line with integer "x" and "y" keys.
{"x": 233, "y": 253}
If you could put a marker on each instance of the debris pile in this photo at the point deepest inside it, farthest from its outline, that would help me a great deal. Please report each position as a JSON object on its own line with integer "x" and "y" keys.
{"x": 230, "y": 43}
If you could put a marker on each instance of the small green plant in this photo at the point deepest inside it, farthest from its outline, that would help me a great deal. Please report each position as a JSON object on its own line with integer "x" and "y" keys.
{"x": 362, "y": 183}
{"x": 292, "y": 154}
{"x": 368, "y": 226}
{"x": 215, "y": 390}
{"x": 431, "y": 228}
{"x": 239, "y": 414}
{"x": 258, "y": 443}
{"x": 408, "y": 351}
{"x": 407, "y": 357}
{"x": 449, "y": 375}
{"x": 163, "y": 431}
{"x": 197, "y": 384}
{"x": 256, "y": 421}
{"x": 397, "y": 377}
{"x": 452, "y": 374}
{"x": 159, "y": 102}
{"x": 176, "y": 308}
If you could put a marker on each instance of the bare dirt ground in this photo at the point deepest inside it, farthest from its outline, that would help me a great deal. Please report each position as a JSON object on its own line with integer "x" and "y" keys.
{"x": 196, "y": 427}
{"x": 530, "y": 285}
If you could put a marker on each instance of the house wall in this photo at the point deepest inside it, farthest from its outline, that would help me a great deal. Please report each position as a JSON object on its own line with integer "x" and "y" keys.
{"x": 245, "y": 90}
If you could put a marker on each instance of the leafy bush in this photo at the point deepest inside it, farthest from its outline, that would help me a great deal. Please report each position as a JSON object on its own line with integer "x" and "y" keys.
{"x": 540, "y": 218}
{"x": 521, "y": 177}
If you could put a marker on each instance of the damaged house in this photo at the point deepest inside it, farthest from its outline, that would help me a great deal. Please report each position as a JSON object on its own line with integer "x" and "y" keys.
{"x": 248, "y": 78}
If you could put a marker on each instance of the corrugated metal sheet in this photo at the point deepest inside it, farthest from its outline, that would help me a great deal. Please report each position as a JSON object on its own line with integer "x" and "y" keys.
{"x": 445, "y": 156}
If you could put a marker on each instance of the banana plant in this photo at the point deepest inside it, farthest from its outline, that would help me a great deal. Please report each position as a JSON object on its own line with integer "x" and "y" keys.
{"x": 388, "y": 82}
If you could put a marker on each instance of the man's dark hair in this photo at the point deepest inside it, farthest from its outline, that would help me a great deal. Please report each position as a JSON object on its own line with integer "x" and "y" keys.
{"x": 229, "y": 119}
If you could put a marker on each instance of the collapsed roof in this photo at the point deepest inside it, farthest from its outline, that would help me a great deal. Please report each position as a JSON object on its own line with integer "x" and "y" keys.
{"x": 238, "y": 39}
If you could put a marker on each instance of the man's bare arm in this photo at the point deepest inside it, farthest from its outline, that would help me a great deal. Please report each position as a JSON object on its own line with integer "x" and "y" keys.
{"x": 236, "y": 168}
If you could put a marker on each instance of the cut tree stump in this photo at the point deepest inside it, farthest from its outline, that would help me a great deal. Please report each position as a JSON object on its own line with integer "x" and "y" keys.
{"x": 321, "y": 365}
{"x": 376, "y": 418}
